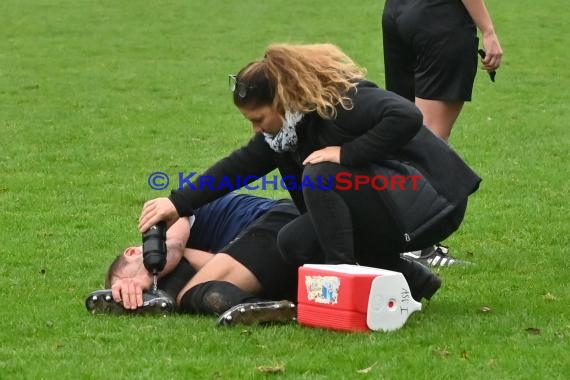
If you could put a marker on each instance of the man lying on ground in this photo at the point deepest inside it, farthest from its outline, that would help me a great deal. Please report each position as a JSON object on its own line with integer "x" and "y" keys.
{"x": 221, "y": 258}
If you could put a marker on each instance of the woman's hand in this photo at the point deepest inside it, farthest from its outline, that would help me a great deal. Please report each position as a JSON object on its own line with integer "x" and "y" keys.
{"x": 156, "y": 210}
{"x": 328, "y": 154}
{"x": 493, "y": 52}
{"x": 129, "y": 290}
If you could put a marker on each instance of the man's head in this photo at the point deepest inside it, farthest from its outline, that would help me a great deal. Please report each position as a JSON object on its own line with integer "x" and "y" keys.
{"x": 127, "y": 265}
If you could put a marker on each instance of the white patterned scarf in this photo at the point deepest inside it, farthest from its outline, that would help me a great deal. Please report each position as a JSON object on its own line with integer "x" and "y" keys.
{"x": 286, "y": 139}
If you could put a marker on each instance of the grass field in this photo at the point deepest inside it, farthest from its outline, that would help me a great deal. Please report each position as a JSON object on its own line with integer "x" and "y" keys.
{"x": 96, "y": 95}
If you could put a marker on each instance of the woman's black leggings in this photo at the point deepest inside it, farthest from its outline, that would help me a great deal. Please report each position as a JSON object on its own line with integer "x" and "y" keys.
{"x": 351, "y": 226}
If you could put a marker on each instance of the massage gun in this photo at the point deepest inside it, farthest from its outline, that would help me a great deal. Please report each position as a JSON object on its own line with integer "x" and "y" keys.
{"x": 154, "y": 250}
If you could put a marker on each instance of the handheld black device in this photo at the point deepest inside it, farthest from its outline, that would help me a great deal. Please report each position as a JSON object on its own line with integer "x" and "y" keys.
{"x": 154, "y": 248}
{"x": 492, "y": 74}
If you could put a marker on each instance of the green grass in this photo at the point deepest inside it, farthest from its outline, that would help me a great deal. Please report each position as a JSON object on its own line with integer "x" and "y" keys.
{"x": 96, "y": 95}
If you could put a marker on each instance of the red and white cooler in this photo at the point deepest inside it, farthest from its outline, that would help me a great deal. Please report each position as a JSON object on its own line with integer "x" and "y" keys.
{"x": 353, "y": 298}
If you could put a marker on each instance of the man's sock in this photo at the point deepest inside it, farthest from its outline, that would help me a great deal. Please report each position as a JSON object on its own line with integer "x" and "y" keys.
{"x": 214, "y": 297}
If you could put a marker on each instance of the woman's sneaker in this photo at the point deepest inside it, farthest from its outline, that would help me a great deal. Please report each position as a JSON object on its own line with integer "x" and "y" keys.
{"x": 435, "y": 256}
{"x": 156, "y": 303}
{"x": 422, "y": 281}
{"x": 259, "y": 313}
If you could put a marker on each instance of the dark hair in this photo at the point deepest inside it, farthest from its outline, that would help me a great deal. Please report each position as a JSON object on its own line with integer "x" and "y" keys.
{"x": 253, "y": 87}
{"x": 118, "y": 263}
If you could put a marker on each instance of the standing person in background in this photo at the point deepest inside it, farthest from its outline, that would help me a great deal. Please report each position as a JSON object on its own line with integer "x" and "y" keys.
{"x": 430, "y": 58}
{"x": 430, "y": 54}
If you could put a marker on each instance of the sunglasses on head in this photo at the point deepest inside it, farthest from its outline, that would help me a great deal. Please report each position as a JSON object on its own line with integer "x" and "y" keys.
{"x": 239, "y": 88}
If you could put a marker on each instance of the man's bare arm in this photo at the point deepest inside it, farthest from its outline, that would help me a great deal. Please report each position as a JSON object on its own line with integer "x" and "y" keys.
{"x": 176, "y": 238}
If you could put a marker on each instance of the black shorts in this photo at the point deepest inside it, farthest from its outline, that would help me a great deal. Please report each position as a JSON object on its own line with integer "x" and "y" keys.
{"x": 430, "y": 49}
{"x": 256, "y": 249}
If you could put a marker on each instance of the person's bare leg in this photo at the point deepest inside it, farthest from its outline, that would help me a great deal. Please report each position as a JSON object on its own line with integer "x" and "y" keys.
{"x": 439, "y": 116}
{"x": 223, "y": 267}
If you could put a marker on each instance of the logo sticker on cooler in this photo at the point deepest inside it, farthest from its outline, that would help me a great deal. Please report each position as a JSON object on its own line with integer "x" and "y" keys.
{"x": 322, "y": 289}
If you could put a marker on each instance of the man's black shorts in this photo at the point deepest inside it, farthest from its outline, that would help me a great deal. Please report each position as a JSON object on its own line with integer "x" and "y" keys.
{"x": 430, "y": 49}
{"x": 256, "y": 249}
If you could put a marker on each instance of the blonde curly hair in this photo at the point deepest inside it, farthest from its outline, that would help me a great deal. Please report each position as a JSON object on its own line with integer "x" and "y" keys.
{"x": 301, "y": 78}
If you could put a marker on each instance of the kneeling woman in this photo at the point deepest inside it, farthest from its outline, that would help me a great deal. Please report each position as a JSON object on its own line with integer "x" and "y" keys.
{"x": 375, "y": 181}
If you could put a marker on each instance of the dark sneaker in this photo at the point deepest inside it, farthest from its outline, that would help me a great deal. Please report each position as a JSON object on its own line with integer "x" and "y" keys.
{"x": 422, "y": 281}
{"x": 436, "y": 256}
{"x": 259, "y": 313}
{"x": 156, "y": 303}
{"x": 428, "y": 288}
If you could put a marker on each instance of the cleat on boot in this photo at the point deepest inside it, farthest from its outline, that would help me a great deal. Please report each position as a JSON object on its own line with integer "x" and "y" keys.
{"x": 259, "y": 313}
{"x": 154, "y": 303}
